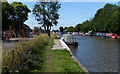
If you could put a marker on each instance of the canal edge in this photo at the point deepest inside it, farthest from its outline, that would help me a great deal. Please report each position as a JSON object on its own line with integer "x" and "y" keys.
{"x": 73, "y": 57}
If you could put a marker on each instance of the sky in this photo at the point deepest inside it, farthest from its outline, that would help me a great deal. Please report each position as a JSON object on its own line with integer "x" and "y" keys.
{"x": 67, "y": 0}
{"x": 71, "y": 13}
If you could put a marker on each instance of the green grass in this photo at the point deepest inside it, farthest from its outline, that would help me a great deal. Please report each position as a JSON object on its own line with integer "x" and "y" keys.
{"x": 54, "y": 36}
{"x": 60, "y": 61}
{"x": 37, "y": 56}
{"x": 28, "y": 56}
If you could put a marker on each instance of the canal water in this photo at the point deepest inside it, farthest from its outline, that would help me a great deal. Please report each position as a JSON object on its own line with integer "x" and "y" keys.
{"x": 97, "y": 54}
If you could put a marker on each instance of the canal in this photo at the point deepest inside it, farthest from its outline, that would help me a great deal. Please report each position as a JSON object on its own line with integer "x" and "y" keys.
{"x": 97, "y": 54}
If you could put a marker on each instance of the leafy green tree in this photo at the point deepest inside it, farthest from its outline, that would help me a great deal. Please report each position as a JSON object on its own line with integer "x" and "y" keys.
{"x": 65, "y": 28}
{"x": 7, "y": 12}
{"x": 106, "y": 19}
{"x": 47, "y": 14}
{"x": 77, "y": 28}
{"x": 14, "y": 15}
{"x": 61, "y": 29}
{"x": 86, "y": 26}
{"x": 20, "y": 14}
{"x": 70, "y": 29}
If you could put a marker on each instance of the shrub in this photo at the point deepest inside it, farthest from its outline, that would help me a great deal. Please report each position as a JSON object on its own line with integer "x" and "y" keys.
{"x": 25, "y": 56}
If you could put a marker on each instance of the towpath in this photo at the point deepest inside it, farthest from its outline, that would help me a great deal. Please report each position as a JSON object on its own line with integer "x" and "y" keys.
{"x": 60, "y": 45}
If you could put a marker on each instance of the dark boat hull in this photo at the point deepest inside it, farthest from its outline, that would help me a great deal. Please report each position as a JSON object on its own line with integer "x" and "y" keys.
{"x": 71, "y": 43}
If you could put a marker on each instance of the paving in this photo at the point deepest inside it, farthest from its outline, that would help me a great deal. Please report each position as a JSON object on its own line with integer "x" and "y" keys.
{"x": 59, "y": 45}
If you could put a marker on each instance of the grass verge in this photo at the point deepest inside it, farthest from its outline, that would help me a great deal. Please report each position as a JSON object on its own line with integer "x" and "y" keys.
{"x": 60, "y": 61}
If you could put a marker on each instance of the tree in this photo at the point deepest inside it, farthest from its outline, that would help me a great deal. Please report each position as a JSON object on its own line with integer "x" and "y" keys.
{"x": 20, "y": 14}
{"x": 70, "y": 29}
{"x": 77, "y": 28}
{"x": 86, "y": 26}
{"x": 13, "y": 15}
{"x": 47, "y": 14}
{"x": 106, "y": 19}
{"x": 61, "y": 29}
{"x": 7, "y": 11}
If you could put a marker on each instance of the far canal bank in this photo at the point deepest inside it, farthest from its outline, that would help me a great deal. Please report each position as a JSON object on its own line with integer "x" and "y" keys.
{"x": 97, "y": 54}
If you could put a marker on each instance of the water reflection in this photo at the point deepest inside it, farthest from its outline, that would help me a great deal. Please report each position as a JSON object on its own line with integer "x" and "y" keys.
{"x": 97, "y": 54}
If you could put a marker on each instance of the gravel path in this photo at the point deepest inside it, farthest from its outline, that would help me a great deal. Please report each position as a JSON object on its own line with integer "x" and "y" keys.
{"x": 60, "y": 45}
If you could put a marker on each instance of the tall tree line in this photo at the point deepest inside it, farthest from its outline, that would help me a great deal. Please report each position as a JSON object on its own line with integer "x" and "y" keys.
{"x": 106, "y": 19}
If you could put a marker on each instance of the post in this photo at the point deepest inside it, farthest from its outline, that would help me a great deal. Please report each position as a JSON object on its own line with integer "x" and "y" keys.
{"x": 12, "y": 58}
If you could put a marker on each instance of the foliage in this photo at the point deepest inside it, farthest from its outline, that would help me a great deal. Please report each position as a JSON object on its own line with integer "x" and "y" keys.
{"x": 7, "y": 10}
{"x": 27, "y": 56}
{"x": 86, "y": 26}
{"x": 70, "y": 29}
{"x": 37, "y": 56}
{"x": 47, "y": 14}
{"x": 36, "y": 29}
{"x": 61, "y": 29}
{"x": 20, "y": 13}
{"x": 14, "y": 15}
{"x": 78, "y": 28}
{"x": 105, "y": 20}
{"x": 60, "y": 61}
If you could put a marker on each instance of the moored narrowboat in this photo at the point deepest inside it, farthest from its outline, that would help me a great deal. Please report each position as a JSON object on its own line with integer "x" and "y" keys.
{"x": 70, "y": 39}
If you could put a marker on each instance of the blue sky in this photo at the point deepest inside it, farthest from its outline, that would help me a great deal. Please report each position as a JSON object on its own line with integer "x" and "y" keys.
{"x": 71, "y": 13}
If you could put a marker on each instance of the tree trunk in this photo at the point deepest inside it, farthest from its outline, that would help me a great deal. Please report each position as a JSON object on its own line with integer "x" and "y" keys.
{"x": 48, "y": 32}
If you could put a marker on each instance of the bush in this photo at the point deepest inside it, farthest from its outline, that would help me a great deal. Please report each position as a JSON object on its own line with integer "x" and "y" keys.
{"x": 26, "y": 56}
